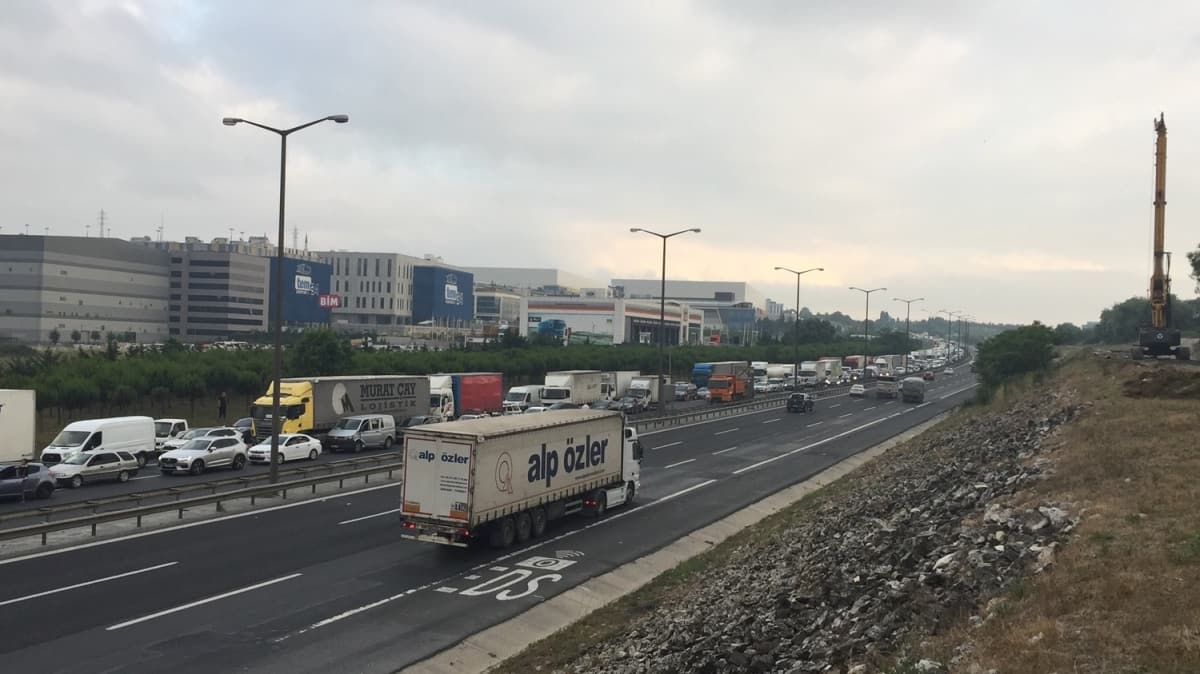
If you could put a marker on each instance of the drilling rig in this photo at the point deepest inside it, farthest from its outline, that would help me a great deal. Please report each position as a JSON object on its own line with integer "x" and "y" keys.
{"x": 1158, "y": 338}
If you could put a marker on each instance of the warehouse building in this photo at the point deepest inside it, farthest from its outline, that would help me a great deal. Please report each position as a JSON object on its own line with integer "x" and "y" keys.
{"x": 730, "y": 308}
{"x": 576, "y": 320}
{"x": 86, "y": 285}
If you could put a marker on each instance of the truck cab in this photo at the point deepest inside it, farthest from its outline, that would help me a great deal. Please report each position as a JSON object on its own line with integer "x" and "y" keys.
{"x": 295, "y": 406}
{"x": 522, "y": 397}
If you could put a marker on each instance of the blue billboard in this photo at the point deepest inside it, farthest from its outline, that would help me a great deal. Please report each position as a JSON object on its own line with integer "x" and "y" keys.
{"x": 441, "y": 294}
{"x": 304, "y": 281}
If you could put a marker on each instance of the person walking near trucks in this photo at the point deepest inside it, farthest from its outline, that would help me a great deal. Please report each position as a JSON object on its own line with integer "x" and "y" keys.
{"x": 222, "y": 405}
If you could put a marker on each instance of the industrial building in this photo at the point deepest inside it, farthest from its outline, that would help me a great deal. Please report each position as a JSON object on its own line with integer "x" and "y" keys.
{"x": 731, "y": 308}
{"x": 578, "y": 320}
{"x": 81, "y": 284}
{"x": 497, "y": 306}
{"x": 534, "y": 280}
{"x": 375, "y": 290}
{"x": 443, "y": 296}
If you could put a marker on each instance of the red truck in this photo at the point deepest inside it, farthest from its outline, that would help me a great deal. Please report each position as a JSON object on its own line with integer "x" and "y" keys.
{"x": 455, "y": 394}
{"x": 730, "y": 380}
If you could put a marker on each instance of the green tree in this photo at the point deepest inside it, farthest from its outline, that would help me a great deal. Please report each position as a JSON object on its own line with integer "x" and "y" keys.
{"x": 320, "y": 352}
{"x": 1012, "y": 353}
{"x": 76, "y": 336}
{"x": 55, "y": 335}
{"x": 1068, "y": 333}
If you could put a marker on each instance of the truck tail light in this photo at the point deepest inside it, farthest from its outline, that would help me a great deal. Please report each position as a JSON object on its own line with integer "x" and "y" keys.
{"x": 589, "y": 502}
{"x": 408, "y": 524}
{"x": 465, "y": 533}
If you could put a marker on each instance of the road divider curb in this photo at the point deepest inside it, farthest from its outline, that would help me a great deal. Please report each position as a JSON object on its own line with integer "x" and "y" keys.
{"x": 492, "y": 646}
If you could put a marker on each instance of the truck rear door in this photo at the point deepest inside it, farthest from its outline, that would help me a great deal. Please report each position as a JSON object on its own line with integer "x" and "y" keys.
{"x": 437, "y": 478}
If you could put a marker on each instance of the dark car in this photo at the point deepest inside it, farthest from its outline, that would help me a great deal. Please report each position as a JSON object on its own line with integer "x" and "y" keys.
{"x": 25, "y": 481}
{"x": 419, "y": 420}
{"x": 604, "y": 405}
{"x": 246, "y": 426}
{"x": 800, "y": 402}
{"x": 927, "y": 375}
{"x": 563, "y": 405}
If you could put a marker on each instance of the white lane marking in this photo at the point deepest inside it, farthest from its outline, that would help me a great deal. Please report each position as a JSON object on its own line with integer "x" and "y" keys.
{"x": 669, "y": 444}
{"x": 189, "y": 525}
{"x": 145, "y": 477}
{"x": 447, "y": 590}
{"x": 678, "y": 463}
{"x": 722, "y": 451}
{"x": 201, "y": 602}
{"x": 818, "y": 443}
{"x": 833, "y": 406}
{"x": 868, "y": 409}
{"x": 771, "y": 421}
{"x": 890, "y": 402}
{"x": 367, "y": 517}
{"x": 668, "y": 497}
{"x": 730, "y": 430}
{"x": 954, "y": 393}
{"x": 924, "y": 404}
{"x": 843, "y": 416}
{"x": 85, "y": 584}
{"x": 893, "y": 415}
{"x": 521, "y": 551}
{"x": 815, "y": 423}
{"x": 473, "y": 576}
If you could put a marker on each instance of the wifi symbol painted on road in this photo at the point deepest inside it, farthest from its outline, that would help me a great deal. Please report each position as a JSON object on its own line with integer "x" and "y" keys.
{"x": 567, "y": 554}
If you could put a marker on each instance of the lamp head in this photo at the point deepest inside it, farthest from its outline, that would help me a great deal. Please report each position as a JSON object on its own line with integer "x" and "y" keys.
{"x": 340, "y": 119}
{"x": 231, "y": 121}
{"x": 696, "y": 230}
{"x": 635, "y": 229}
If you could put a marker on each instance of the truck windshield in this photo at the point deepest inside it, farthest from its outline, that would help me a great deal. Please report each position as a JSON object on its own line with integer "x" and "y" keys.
{"x": 162, "y": 428}
{"x": 70, "y": 439}
{"x": 556, "y": 394}
{"x": 515, "y": 397}
{"x": 717, "y": 383}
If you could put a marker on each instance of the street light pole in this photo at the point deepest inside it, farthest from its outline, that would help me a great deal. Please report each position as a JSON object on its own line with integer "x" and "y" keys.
{"x": 796, "y": 324}
{"x": 277, "y": 329}
{"x": 662, "y": 309}
{"x": 866, "y": 325}
{"x": 907, "y": 315}
{"x": 949, "y": 324}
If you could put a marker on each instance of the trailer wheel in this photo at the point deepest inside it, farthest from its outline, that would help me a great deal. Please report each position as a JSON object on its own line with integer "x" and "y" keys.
{"x": 630, "y": 494}
{"x": 602, "y": 504}
{"x": 524, "y": 526}
{"x": 537, "y": 523}
{"x": 502, "y": 533}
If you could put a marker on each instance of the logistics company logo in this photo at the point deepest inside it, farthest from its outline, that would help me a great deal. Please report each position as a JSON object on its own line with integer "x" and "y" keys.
{"x": 302, "y": 268}
{"x": 504, "y": 473}
{"x": 342, "y": 402}
{"x": 305, "y": 286}
{"x": 544, "y": 466}
{"x": 329, "y": 301}
{"x": 447, "y": 457}
{"x": 452, "y": 295}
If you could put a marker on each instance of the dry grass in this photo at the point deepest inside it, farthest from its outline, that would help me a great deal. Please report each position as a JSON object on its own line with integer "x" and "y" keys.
{"x": 1124, "y": 595}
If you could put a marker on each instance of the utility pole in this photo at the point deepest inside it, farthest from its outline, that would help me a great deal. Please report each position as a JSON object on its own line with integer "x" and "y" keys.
{"x": 907, "y": 331}
{"x": 949, "y": 325}
{"x": 796, "y": 324}
{"x": 101, "y": 223}
{"x": 866, "y": 326}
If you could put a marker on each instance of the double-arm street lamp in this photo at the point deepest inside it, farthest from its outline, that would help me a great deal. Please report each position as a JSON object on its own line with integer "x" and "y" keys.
{"x": 796, "y": 324}
{"x": 907, "y": 315}
{"x": 277, "y": 329}
{"x": 662, "y": 309}
{"x": 867, "y": 326}
{"x": 949, "y": 332}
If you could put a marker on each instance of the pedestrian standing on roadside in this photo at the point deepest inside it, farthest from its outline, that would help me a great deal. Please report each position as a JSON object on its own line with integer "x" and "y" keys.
{"x": 222, "y": 404}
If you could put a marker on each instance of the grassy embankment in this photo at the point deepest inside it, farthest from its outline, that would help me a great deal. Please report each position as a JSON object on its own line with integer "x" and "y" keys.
{"x": 1124, "y": 593}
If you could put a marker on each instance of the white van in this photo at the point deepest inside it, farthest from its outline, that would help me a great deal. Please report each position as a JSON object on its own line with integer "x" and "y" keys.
{"x": 128, "y": 434}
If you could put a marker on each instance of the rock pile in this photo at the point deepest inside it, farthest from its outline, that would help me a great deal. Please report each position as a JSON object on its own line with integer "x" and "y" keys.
{"x": 919, "y": 542}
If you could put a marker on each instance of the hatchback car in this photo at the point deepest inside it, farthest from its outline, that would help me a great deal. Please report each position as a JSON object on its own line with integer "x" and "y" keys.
{"x": 948, "y": 370}
{"x": 94, "y": 467}
{"x": 927, "y": 375}
{"x": 291, "y": 447}
{"x": 857, "y": 391}
{"x": 27, "y": 480}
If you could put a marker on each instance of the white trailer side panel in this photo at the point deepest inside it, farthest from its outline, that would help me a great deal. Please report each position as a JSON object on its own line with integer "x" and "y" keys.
{"x": 17, "y": 418}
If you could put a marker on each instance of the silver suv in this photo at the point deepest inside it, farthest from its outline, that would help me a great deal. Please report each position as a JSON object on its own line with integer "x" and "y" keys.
{"x": 200, "y": 454}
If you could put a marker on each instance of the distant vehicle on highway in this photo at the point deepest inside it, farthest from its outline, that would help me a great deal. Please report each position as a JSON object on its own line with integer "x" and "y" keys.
{"x": 361, "y": 431}
{"x": 927, "y": 375}
{"x": 948, "y": 370}
{"x": 202, "y": 453}
{"x": 202, "y": 432}
{"x": 562, "y": 405}
{"x": 800, "y": 402}
{"x": 166, "y": 429}
{"x": 858, "y": 391}
{"x": 32, "y": 479}
{"x": 291, "y": 448}
{"x": 702, "y": 393}
{"x": 129, "y": 434}
{"x": 95, "y": 467}
{"x": 246, "y": 426}
{"x": 685, "y": 390}
{"x": 534, "y": 409}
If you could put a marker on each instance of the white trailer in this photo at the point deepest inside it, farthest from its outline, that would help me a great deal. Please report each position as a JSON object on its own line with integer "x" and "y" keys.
{"x": 581, "y": 387}
{"x": 18, "y": 417}
{"x": 614, "y": 385}
{"x": 501, "y": 479}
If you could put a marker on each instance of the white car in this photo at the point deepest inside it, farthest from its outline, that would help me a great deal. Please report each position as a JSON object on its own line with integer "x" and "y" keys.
{"x": 292, "y": 446}
{"x": 535, "y": 409}
{"x": 200, "y": 454}
{"x": 948, "y": 370}
{"x": 857, "y": 391}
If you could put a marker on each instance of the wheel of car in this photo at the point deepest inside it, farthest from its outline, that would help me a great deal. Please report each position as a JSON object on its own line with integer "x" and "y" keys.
{"x": 387, "y": 442}
{"x": 524, "y": 527}
{"x": 239, "y": 462}
{"x": 123, "y": 476}
{"x": 312, "y": 455}
{"x": 76, "y": 482}
{"x": 141, "y": 459}
{"x": 44, "y": 490}
{"x": 537, "y": 521}
{"x": 358, "y": 445}
{"x": 279, "y": 458}
{"x": 197, "y": 468}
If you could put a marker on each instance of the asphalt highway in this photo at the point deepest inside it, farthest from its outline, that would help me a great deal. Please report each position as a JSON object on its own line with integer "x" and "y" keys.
{"x": 328, "y": 586}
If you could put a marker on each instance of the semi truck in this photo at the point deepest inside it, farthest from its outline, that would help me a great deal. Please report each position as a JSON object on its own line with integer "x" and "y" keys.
{"x": 613, "y": 385}
{"x": 18, "y": 412}
{"x": 455, "y": 394}
{"x": 829, "y": 370}
{"x": 889, "y": 364}
{"x": 808, "y": 374}
{"x": 581, "y": 387}
{"x": 912, "y": 390}
{"x": 314, "y": 404}
{"x": 887, "y": 386}
{"x": 730, "y": 380}
{"x": 501, "y": 480}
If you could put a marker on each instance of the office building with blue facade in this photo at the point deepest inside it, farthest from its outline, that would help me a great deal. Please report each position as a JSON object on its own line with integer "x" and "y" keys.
{"x": 443, "y": 296}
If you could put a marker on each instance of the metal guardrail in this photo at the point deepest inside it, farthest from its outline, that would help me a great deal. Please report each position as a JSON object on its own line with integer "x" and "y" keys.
{"x": 182, "y": 505}
{"x": 137, "y": 498}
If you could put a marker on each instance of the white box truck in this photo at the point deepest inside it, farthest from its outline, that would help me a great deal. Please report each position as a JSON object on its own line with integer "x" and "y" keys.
{"x": 581, "y": 387}
{"x": 519, "y": 398}
{"x": 614, "y": 385}
{"x": 18, "y": 415}
{"x": 499, "y": 480}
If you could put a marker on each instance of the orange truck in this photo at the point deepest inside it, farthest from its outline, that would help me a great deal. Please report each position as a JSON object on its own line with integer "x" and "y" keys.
{"x": 730, "y": 381}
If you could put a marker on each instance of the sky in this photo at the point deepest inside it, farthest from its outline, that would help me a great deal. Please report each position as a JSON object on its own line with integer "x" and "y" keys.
{"x": 993, "y": 157}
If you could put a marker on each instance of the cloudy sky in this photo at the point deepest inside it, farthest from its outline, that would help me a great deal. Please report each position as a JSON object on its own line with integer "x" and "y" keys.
{"x": 994, "y": 157}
